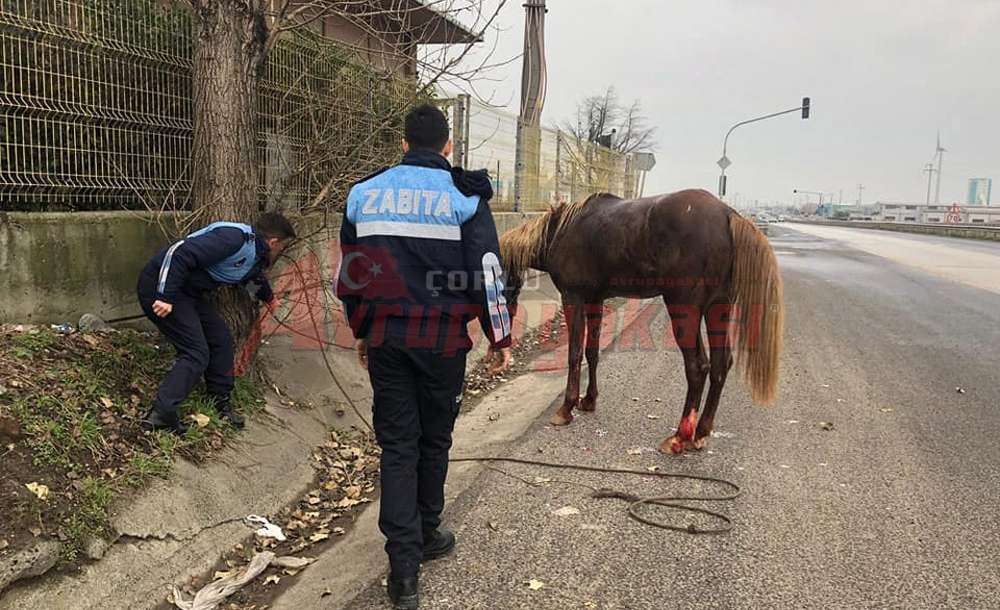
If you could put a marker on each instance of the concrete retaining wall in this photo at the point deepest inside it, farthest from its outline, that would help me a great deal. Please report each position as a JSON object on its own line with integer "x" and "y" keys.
{"x": 56, "y": 266}
{"x": 964, "y": 231}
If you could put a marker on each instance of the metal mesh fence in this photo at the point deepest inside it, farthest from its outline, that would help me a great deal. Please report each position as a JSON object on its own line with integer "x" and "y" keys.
{"x": 492, "y": 141}
{"x": 555, "y": 166}
{"x": 96, "y": 112}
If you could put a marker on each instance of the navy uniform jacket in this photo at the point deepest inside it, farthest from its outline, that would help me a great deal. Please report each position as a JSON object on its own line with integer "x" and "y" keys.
{"x": 186, "y": 266}
{"x": 421, "y": 256}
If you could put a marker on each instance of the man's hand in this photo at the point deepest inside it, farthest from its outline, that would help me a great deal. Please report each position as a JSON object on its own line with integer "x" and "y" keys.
{"x": 499, "y": 360}
{"x": 362, "y": 346}
{"x": 162, "y": 308}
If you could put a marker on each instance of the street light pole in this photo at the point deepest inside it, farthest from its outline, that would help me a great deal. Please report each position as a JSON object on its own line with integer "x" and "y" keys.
{"x": 724, "y": 162}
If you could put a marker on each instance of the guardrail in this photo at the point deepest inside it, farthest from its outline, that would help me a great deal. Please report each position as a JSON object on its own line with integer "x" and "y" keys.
{"x": 965, "y": 230}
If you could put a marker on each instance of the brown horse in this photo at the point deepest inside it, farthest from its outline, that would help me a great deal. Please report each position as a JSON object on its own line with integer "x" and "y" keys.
{"x": 708, "y": 263}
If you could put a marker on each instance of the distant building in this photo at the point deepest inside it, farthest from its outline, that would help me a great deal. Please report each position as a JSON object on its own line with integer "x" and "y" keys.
{"x": 980, "y": 191}
{"x": 946, "y": 214}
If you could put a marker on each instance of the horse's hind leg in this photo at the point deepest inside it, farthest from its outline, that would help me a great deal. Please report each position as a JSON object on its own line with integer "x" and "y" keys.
{"x": 686, "y": 324}
{"x": 575, "y": 328}
{"x": 721, "y": 351}
{"x": 595, "y": 317}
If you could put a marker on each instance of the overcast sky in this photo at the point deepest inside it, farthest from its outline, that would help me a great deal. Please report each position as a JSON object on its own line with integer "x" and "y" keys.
{"x": 884, "y": 77}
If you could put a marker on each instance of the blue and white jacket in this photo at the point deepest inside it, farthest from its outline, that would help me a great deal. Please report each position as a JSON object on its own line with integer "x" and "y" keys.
{"x": 221, "y": 253}
{"x": 421, "y": 256}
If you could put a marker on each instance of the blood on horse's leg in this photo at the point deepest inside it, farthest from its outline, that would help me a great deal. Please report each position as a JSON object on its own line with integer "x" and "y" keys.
{"x": 695, "y": 369}
{"x": 575, "y": 328}
{"x": 595, "y": 316}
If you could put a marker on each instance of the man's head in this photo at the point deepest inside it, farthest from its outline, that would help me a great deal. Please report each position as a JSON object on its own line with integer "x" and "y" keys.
{"x": 426, "y": 128}
{"x": 277, "y": 232}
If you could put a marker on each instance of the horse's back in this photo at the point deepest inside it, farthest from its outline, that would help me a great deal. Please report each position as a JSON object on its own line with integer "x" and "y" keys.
{"x": 619, "y": 242}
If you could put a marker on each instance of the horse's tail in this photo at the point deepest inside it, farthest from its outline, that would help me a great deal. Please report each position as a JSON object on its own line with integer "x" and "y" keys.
{"x": 757, "y": 292}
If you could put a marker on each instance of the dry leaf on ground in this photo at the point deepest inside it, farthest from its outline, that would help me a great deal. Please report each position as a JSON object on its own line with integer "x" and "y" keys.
{"x": 200, "y": 419}
{"x": 42, "y": 491}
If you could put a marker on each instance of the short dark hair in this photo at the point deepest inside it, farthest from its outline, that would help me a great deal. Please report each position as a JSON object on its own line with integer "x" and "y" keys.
{"x": 426, "y": 127}
{"x": 273, "y": 224}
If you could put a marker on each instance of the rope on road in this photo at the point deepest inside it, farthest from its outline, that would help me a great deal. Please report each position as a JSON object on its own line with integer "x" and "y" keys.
{"x": 637, "y": 502}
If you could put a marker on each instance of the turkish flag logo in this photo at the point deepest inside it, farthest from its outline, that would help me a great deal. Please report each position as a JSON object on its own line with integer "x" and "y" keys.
{"x": 371, "y": 273}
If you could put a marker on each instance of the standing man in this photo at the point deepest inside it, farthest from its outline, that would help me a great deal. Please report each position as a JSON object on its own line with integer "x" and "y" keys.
{"x": 420, "y": 260}
{"x": 174, "y": 292}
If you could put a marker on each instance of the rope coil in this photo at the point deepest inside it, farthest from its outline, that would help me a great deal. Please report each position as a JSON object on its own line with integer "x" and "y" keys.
{"x": 636, "y": 502}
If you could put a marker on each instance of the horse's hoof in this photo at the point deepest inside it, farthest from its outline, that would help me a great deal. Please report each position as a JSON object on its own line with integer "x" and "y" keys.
{"x": 588, "y": 404}
{"x": 673, "y": 445}
{"x": 698, "y": 444}
{"x": 561, "y": 419}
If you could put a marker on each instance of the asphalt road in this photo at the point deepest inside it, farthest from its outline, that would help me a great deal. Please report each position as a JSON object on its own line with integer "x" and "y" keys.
{"x": 897, "y": 507}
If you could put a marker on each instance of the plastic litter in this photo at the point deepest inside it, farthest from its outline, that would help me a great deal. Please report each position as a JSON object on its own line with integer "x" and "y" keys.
{"x": 213, "y": 594}
{"x": 266, "y": 529}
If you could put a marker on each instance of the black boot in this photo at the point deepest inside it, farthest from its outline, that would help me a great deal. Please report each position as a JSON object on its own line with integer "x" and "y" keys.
{"x": 226, "y": 413}
{"x": 403, "y": 592}
{"x": 437, "y": 544}
{"x": 155, "y": 420}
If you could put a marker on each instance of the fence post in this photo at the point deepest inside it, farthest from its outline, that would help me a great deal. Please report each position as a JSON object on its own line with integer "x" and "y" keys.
{"x": 558, "y": 176}
{"x": 459, "y": 133}
{"x": 468, "y": 129}
{"x": 518, "y": 165}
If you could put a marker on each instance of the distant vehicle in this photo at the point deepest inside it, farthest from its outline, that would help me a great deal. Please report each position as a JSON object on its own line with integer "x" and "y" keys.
{"x": 781, "y": 218}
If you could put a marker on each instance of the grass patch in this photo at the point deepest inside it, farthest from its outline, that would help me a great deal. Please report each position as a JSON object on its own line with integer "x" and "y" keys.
{"x": 78, "y": 401}
{"x": 26, "y": 345}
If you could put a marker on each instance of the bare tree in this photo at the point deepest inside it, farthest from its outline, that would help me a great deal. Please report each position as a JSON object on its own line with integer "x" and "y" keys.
{"x": 600, "y": 116}
{"x": 233, "y": 39}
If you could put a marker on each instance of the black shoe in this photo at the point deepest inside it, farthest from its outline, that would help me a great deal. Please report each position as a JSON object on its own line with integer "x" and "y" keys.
{"x": 155, "y": 420}
{"x": 235, "y": 419}
{"x": 437, "y": 544}
{"x": 403, "y": 593}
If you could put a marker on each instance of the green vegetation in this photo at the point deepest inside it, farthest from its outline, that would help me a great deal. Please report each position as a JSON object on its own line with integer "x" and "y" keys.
{"x": 78, "y": 400}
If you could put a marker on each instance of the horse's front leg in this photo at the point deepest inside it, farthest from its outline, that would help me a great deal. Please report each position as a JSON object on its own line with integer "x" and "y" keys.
{"x": 575, "y": 327}
{"x": 595, "y": 317}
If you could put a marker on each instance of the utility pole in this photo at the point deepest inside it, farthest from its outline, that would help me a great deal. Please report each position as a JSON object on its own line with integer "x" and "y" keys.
{"x": 533, "y": 83}
{"x": 929, "y": 168}
{"x": 861, "y": 190}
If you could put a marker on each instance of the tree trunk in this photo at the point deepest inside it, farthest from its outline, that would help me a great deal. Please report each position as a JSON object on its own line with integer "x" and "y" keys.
{"x": 230, "y": 48}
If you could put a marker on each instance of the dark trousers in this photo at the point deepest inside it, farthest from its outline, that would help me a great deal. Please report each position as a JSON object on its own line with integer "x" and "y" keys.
{"x": 417, "y": 398}
{"x": 204, "y": 348}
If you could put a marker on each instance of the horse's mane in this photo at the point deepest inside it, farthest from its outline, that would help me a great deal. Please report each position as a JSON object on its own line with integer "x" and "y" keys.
{"x": 529, "y": 241}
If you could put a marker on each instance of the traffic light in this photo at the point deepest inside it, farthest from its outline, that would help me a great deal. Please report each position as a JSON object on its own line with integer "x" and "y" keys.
{"x": 805, "y": 108}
